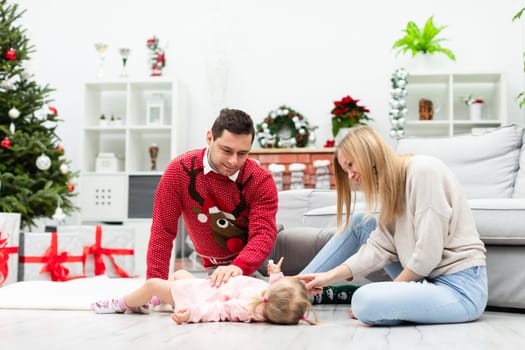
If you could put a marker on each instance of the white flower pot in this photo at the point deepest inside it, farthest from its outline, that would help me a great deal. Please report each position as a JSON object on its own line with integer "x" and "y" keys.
{"x": 475, "y": 111}
{"x": 341, "y": 134}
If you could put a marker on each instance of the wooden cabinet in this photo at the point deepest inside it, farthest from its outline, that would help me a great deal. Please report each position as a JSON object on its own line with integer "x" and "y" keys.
{"x": 287, "y": 156}
{"x": 450, "y": 112}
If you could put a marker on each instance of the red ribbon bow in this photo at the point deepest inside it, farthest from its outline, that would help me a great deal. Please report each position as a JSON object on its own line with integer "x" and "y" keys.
{"x": 4, "y": 257}
{"x": 98, "y": 252}
{"x": 53, "y": 261}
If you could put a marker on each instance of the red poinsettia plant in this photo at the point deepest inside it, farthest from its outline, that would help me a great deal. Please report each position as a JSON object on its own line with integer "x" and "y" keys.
{"x": 347, "y": 113}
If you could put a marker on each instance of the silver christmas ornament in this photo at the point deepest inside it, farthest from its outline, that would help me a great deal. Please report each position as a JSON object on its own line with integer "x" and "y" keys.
{"x": 43, "y": 162}
{"x": 13, "y": 113}
{"x": 400, "y": 133}
{"x": 64, "y": 169}
{"x": 393, "y": 133}
{"x": 59, "y": 214}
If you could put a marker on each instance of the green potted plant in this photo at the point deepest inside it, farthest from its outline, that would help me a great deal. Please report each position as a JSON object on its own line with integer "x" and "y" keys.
{"x": 521, "y": 96}
{"x": 423, "y": 40}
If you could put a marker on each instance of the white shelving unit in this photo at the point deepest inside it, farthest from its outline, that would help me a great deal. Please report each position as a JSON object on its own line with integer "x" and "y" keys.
{"x": 447, "y": 92}
{"x": 104, "y": 196}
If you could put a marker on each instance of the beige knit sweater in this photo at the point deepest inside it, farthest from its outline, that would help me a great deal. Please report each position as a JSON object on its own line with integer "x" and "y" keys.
{"x": 436, "y": 234}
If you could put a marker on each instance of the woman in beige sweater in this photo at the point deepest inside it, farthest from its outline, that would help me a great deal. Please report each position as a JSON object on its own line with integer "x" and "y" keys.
{"x": 424, "y": 237}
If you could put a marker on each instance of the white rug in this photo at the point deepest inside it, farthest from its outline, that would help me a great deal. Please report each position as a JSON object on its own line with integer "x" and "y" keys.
{"x": 76, "y": 294}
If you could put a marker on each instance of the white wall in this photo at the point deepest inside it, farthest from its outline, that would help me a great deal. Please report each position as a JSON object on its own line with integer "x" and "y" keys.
{"x": 257, "y": 55}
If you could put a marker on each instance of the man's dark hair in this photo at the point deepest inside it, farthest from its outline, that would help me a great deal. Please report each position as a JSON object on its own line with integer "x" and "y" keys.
{"x": 233, "y": 120}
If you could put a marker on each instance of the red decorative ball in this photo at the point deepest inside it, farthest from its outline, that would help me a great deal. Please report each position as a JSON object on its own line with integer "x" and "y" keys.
{"x": 60, "y": 148}
{"x": 6, "y": 142}
{"x": 70, "y": 187}
{"x": 10, "y": 55}
{"x": 53, "y": 110}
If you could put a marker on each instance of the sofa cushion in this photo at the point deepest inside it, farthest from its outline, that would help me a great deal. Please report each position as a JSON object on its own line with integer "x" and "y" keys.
{"x": 294, "y": 203}
{"x": 500, "y": 221}
{"x": 519, "y": 187}
{"x": 320, "y": 217}
{"x": 298, "y": 246}
{"x": 326, "y": 216}
{"x": 486, "y": 165}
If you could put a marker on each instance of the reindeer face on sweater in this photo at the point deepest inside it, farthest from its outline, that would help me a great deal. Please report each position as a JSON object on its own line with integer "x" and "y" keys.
{"x": 226, "y": 231}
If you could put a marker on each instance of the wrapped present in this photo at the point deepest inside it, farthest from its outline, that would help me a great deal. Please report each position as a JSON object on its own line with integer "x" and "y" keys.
{"x": 9, "y": 238}
{"x": 50, "y": 256}
{"x": 108, "y": 249}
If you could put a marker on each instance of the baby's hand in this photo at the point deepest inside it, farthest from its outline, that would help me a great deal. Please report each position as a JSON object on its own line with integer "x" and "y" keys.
{"x": 181, "y": 315}
{"x": 274, "y": 268}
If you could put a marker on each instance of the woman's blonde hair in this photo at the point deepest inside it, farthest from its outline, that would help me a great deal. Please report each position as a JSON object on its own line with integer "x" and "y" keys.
{"x": 286, "y": 302}
{"x": 383, "y": 176}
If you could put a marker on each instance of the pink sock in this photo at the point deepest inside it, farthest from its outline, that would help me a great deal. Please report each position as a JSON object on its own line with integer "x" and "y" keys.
{"x": 122, "y": 304}
{"x": 155, "y": 301}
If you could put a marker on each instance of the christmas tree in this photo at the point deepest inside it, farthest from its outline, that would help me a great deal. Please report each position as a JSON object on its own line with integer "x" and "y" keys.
{"x": 35, "y": 176}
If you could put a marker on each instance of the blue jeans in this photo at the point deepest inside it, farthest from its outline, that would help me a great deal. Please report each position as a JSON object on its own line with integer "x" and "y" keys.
{"x": 457, "y": 297}
{"x": 343, "y": 245}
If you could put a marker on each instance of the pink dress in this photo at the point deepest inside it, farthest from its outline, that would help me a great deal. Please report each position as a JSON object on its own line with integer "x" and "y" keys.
{"x": 229, "y": 302}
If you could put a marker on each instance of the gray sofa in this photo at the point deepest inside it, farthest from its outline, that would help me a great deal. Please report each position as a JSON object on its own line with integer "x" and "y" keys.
{"x": 491, "y": 168}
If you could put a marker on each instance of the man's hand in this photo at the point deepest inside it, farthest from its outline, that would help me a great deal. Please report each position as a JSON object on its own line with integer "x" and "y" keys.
{"x": 181, "y": 315}
{"x": 274, "y": 268}
{"x": 223, "y": 273}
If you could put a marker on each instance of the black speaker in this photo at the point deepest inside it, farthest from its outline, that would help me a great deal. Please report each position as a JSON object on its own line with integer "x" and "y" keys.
{"x": 141, "y": 192}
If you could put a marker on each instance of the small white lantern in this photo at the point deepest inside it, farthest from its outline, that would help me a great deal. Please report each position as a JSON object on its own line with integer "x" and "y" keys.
{"x": 155, "y": 110}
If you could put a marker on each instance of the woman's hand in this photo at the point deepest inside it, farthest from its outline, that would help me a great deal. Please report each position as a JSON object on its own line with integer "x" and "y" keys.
{"x": 314, "y": 282}
{"x": 274, "y": 268}
{"x": 181, "y": 315}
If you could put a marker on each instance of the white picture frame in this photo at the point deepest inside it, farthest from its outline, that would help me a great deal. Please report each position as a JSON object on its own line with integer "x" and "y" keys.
{"x": 155, "y": 110}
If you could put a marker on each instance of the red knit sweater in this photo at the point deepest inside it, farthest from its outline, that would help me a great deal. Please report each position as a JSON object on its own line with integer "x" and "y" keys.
{"x": 228, "y": 222}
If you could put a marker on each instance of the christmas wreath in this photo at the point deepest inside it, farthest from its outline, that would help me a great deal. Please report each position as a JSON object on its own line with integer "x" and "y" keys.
{"x": 283, "y": 128}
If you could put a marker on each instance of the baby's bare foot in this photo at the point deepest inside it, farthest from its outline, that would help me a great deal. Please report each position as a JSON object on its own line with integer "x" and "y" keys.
{"x": 351, "y": 314}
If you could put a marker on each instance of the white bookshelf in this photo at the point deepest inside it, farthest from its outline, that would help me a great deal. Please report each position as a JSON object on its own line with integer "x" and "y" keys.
{"x": 104, "y": 195}
{"x": 447, "y": 92}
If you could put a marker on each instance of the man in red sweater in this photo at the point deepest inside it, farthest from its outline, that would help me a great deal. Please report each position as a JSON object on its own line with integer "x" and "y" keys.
{"x": 228, "y": 203}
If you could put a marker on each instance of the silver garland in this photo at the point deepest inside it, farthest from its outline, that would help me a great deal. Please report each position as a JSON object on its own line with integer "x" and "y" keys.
{"x": 398, "y": 107}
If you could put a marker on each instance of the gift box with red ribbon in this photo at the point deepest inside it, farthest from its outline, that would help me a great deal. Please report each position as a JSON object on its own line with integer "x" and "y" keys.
{"x": 108, "y": 249}
{"x": 9, "y": 238}
{"x": 50, "y": 256}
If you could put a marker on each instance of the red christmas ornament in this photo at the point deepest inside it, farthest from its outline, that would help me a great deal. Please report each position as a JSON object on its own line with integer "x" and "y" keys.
{"x": 10, "y": 55}
{"x": 60, "y": 148}
{"x": 6, "y": 142}
{"x": 70, "y": 187}
{"x": 53, "y": 110}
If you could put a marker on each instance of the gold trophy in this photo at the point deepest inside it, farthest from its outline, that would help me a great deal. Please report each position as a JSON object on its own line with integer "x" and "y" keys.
{"x": 153, "y": 154}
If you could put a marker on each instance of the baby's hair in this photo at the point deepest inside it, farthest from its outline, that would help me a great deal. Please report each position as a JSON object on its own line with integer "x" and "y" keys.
{"x": 286, "y": 302}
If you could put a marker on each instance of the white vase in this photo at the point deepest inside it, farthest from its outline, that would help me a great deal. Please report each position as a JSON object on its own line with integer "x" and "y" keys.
{"x": 423, "y": 63}
{"x": 475, "y": 111}
{"x": 341, "y": 134}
